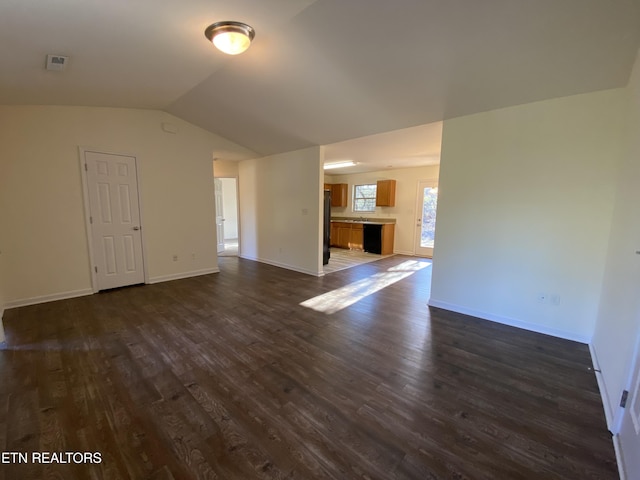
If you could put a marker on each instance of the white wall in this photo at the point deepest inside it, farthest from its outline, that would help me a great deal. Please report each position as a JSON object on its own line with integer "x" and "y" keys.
{"x": 281, "y": 210}
{"x": 230, "y": 207}
{"x": 45, "y": 249}
{"x": 525, "y": 205}
{"x": 618, "y": 324}
{"x": 406, "y": 200}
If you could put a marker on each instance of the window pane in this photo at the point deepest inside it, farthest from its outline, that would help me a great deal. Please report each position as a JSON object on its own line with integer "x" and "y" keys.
{"x": 429, "y": 206}
{"x": 364, "y": 198}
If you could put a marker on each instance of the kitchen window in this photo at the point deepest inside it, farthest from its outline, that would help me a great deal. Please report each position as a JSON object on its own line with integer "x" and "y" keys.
{"x": 364, "y": 198}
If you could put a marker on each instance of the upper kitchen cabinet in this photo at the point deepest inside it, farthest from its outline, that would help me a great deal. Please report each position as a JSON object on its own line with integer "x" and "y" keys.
{"x": 339, "y": 193}
{"x": 386, "y": 193}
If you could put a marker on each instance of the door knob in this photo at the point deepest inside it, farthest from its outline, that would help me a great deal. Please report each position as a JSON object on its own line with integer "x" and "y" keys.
{"x": 136, "y": 228}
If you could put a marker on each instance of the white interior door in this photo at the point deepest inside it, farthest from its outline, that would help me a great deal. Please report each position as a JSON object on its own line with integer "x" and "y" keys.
{"x": 629, "y": 434}
{"x": 219, "y": 214}
{"x": 112, "y": 187}
{"x": 426, "y": 217}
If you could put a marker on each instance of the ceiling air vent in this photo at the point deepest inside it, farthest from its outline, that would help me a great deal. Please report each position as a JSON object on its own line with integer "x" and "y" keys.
{"x": 57, "y": 62}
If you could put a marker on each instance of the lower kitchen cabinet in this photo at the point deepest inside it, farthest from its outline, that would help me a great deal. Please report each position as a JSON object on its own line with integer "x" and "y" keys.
{"x": 352, "y": 235}
{"x": 356, "y": 239}
{"x": 344, "y": 235}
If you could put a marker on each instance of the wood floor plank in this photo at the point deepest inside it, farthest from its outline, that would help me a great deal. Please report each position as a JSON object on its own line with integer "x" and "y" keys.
{"x": 228, "y": 376}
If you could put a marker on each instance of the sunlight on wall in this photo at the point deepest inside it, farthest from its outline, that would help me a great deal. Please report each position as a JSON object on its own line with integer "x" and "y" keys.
{"x": 336, "y": 300}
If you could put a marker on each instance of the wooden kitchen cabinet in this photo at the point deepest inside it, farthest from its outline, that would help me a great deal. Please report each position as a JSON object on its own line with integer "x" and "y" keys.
{"x": 339, "y": 193}
{"x": 333, "y": 237}
{"x": 356, "y": 239}
{"x": 388, "y": 234}
{"x": 344, "y": 235}
{"x": 386, "y": 193}
{"x": 347, "y": 235}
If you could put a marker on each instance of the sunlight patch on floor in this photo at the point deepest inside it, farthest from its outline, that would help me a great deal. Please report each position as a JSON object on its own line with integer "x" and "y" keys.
{"x": 343, "y": 297}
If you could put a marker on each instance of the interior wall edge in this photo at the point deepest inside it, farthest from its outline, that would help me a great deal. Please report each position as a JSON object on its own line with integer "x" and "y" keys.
{"x": 512, "y": 322}
{"x": 2, "y": 337}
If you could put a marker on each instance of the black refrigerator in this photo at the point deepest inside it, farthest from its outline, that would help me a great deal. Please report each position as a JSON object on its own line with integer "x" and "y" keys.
{"x": 326, "y": 232}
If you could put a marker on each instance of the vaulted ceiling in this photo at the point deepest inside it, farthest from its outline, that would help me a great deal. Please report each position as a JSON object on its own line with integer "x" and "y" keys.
{"x": 318, "y": 72}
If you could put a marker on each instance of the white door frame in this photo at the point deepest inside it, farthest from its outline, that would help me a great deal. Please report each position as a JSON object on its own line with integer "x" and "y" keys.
{"x": 87, "y": 212}
{"x": 621, "y": 414}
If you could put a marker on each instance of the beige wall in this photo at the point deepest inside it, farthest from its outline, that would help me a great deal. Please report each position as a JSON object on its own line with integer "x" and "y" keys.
{"x": 618, "y": 326}
{"x": 281, "y": 210}
{"x": 525, "y": 207}
{"x": 44, "y": 252}
{"x": 225, "y": 168}
{"x": 406, "y": 200}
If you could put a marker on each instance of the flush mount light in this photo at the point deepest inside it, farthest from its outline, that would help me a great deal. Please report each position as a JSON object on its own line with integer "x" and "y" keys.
{"x": 229, "y": 37}
{"x": 347, "y": 163}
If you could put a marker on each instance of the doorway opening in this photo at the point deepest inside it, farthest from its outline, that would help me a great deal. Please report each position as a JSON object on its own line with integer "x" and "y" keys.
{"x": 226, "y": 197}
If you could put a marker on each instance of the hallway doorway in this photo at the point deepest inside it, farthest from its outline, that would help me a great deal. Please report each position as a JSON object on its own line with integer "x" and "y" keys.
{"x": 226, "y": 198}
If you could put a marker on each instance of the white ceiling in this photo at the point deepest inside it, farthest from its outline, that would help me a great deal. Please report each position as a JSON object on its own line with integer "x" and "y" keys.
{"x": 408, "y": 147}
{"x": 319, "y": 72}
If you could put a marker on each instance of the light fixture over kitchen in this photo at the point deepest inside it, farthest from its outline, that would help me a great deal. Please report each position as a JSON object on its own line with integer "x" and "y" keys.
{"x": 230, "y": 37}
{"x": 346, "y": 163}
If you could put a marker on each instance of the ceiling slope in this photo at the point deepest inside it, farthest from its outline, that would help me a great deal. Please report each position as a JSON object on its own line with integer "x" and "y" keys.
{"x": 343, "y": 70}
{"x": 319, "y": 72}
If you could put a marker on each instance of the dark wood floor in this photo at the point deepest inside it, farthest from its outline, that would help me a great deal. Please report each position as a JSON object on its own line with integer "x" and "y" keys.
{"x": 227, "y": 376}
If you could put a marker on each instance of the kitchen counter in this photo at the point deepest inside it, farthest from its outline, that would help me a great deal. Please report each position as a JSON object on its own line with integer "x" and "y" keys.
{"x": 370, "y": 221}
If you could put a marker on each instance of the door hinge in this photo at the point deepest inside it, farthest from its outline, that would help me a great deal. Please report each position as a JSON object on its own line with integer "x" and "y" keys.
{"x": 86, "y": 169}
{"x": 96, "y": 269}
{"x": 90, "y": 219}
{"x": 623, "y": 400}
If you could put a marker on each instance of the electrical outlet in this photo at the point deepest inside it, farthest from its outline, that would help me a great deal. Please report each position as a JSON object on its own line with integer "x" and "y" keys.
{"x": 554, "y": 298}
{"x": 175, "y": 258}
{"x": 193, "y": 256}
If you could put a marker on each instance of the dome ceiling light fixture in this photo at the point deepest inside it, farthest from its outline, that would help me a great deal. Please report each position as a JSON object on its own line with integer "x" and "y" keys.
{"x": 230, "y": 37}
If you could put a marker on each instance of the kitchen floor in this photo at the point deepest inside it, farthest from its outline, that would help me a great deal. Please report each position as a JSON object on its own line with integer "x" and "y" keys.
{"x": 342, "y": 258}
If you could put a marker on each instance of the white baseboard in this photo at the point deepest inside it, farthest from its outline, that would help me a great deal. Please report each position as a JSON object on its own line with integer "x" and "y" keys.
{"x": 617, "y": 449}
{"x": 283, "y": 265}
{"x": 609, "y": 411}
{"x": 533, "y": 327}
{"x": 49, "y": 298}
{"x": 179, "y": 276}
